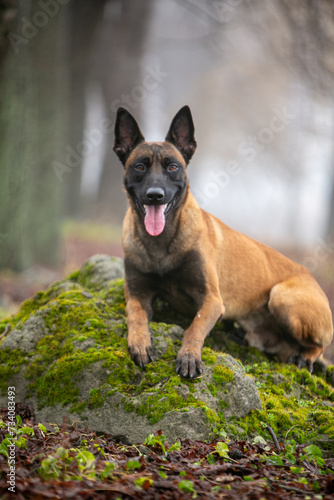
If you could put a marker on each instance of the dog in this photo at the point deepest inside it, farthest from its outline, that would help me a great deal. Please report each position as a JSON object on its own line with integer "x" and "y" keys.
{"x": 176, "y": 251}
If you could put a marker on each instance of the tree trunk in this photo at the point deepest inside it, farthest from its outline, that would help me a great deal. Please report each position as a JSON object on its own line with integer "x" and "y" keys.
{"x": 32, "y": 123}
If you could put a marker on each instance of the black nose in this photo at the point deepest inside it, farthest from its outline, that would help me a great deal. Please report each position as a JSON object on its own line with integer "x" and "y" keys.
{"x": 155, "y": 194}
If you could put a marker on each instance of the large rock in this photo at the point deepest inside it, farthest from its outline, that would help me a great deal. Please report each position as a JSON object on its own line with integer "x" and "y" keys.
{"x": 99, "y": 270}
{"x": 67, "y": 354}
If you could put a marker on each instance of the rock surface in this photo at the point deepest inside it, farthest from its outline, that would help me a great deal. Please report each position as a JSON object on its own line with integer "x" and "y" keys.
{"x": 67, "y": 355}
{"x": 99, "y": 270}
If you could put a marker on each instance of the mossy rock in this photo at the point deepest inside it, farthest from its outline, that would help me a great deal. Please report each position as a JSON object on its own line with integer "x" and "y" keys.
{"x": 99, "y": 270}
{"x": 66, "y": 353}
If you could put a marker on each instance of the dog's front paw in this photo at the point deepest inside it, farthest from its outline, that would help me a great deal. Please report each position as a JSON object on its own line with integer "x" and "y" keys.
{"x": 300, "y": 361}
{"x": 188, "y": 366}
{"x": 141, "y": 355}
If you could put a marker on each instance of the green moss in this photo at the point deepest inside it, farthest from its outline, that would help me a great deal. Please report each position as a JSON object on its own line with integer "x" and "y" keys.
{"x": 74, "y": 276}
{"x": 29, "y": 307}
{"x": 85, "y": 275}
{"x": 175, "y": 394}
{"x": 156, "y": 405}
{"x": 71, "y": 317}
{"x": 291, "y": 399}
{"x": 330, "y": 375}
{"x": 89, "y": 278}
{"x": 208, "y": 356}
{"x": 115, "y": 299}
{"x": 129, "y": 407}
{"x": 277, "y": 390}
{"x": 223, "y": 405}
{"x": 40, "y": 299}
{"x": 213, "y": 389}
{"x": 3, "y": 324}
{"x": 212, "y": 417}
{"x": 95, "y": 398}
{"x": 222, "y": 375}
{"x": 78, "y": 407}
{"x": 10, "y": 363}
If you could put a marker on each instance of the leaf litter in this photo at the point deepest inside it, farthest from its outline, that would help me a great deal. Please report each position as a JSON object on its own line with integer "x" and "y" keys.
{"x": 67, "y": 462}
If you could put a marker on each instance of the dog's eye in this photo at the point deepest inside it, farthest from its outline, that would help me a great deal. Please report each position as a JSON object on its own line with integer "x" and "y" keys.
{"x": 172, "y": 168}
{"x": 140, "y": 167}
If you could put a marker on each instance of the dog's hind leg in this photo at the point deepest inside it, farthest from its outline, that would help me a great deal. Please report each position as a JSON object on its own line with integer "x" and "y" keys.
{"x": 302, "y": 311}
{"x": 264, "y": 333}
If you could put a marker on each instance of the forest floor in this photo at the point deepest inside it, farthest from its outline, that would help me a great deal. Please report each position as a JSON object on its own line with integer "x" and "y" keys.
{"x": 59, "y": 462}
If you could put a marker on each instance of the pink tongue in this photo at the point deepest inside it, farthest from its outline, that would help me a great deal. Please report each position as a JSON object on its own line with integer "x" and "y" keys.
{"x": 154, "y": 219}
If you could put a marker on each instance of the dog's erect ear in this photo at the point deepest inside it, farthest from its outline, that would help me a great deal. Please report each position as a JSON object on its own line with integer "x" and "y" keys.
{"x": 181, "y": 133}
{"x": 127, "y": 134}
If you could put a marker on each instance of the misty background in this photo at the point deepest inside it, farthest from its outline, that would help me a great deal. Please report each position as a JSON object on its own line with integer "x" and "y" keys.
{"x": 258, "y": 77}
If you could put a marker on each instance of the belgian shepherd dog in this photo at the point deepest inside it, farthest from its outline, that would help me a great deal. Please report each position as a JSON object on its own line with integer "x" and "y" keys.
{"x": 175, "y": 250}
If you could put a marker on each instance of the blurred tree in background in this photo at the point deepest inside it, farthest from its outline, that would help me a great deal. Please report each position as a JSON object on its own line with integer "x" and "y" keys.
{"x": 33, "y": 121}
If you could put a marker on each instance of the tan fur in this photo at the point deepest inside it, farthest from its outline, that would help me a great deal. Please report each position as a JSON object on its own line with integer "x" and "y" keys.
{"x": 243, "y": 277}
{"x": 202, "y": 266}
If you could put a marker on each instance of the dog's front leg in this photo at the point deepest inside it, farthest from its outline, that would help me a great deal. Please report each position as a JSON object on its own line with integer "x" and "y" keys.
{"x": 188, "y": 362}
{"x": 138, "y": 311}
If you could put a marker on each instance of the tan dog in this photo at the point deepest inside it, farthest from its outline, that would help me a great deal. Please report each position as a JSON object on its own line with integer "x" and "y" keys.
{"x": 177, "y": 251}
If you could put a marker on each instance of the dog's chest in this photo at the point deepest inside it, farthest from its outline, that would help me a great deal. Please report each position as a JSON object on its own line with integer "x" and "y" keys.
{"x": 182, "y": 290}
{"x": 159, "y": 262}
{"x": 155, "y": 258}
{"x": 180, "y": 281}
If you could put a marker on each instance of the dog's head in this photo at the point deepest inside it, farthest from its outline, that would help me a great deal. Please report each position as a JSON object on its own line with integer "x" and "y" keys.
{"x": 155, "y": 172}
